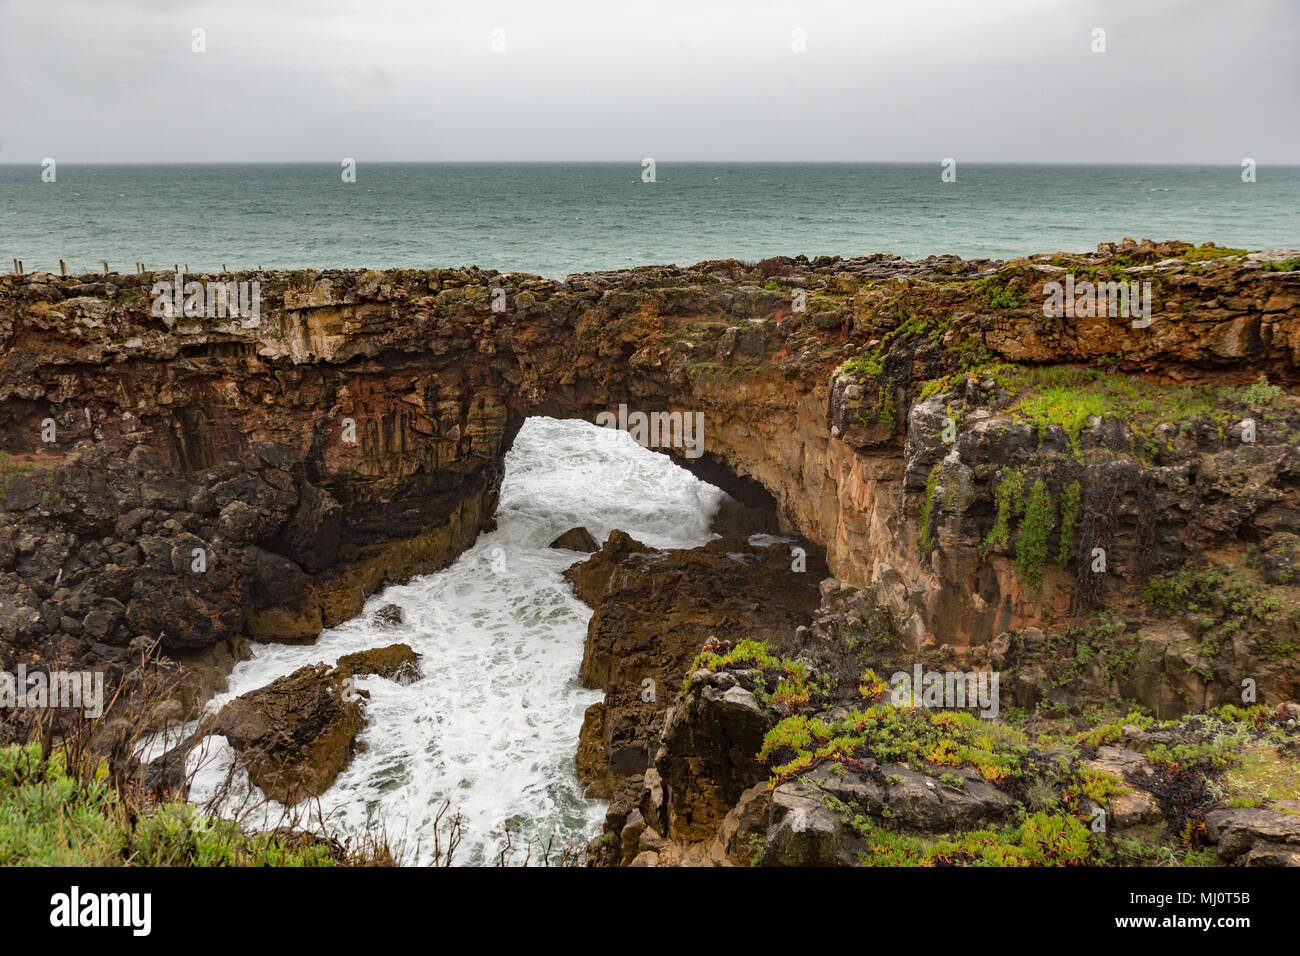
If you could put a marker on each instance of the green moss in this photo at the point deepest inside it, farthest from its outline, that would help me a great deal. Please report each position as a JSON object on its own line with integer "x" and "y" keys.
{"x": 888, "y": 414}
{"x": 1068, "y": 396}
{"x": 1008, "y": 497}
{"x": 1035, "y": 528}
{"x": 1066, "y": 406}
{"x": 867, "y": 364}
{"x": 1201, "y": 254}
{"x": 927, "y": 508}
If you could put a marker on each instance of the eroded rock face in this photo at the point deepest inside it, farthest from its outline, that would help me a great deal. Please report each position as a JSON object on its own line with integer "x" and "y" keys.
{"x": 653, "y": 612}
{"x": 709, "y": 755}
{"x": 215, "y": 479}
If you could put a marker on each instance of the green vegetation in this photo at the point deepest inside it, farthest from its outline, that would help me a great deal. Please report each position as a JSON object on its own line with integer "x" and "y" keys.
{"x": 790, "y": 677}
{"x": 1219, "y": 605}
{"x": 1035, "y": 515}
{"x": 8, "y": 466}
{"x": 1011, "y": 487}
{"x": 51, "y": 817}
{"x": 926, "y": 332}
{"x": 927, "y": 507}
{"x": 1042, "y": 839}
{"x": 1286, "y": 265}
{"x": 1068, "y": 396}
{"x": 1035, "y": 527}
{"x": 997, "y": 294}
{"x": 888, "y": 414}
{"x": 1201, "y": 254}
{"x": 895, "y": 734}
{"x": 1241, "y": 756}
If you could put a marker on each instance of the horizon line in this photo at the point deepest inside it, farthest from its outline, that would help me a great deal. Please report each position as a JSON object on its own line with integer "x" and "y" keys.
{"x": 636, "y": 162}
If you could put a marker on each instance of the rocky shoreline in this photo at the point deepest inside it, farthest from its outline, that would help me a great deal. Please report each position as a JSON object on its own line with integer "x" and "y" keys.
{"x": 947, "y": 458}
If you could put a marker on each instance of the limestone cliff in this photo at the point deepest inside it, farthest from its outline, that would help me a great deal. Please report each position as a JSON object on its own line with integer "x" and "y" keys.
{"x": 959, "y": 455}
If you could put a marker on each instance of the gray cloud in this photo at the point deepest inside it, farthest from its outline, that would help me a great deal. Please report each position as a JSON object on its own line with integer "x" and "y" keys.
{"x": 997, "y": 80}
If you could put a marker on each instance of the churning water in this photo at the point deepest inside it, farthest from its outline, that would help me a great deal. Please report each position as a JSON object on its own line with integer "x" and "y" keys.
{"x": 493, "y": 723}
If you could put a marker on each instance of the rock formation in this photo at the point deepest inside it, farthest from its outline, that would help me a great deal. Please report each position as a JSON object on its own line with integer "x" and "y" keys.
{"x": 1099, "y": 505}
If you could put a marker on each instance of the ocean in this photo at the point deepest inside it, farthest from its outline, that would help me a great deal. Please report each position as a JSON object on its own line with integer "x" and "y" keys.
{"x": 559, "y": 218}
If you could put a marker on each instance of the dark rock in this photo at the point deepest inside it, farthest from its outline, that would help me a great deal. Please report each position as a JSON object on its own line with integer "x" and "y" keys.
{"x": 576, "y": 539}
{"x": 311, "y": 536}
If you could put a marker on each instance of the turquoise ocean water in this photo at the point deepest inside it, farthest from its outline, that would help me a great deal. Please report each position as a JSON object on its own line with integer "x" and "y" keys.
{"x": 559, "y": 218}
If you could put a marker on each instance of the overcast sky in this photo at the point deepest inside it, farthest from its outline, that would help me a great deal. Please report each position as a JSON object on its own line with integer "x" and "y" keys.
{"x": 1192, "y": 81}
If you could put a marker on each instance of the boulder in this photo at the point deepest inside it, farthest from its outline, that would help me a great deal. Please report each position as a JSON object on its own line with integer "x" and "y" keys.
{"x": 1253, "y": 836}
{"x": 397, "y": 662}
{"x": 711, "y": 740}
{"x": 311, "y": 535}
{"x": 801, "y": 831}
{"x": 576, "y": 539}
{"x": 296, "y": 734}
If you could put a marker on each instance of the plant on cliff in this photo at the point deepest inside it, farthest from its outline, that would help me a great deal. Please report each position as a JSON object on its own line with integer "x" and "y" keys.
{"x": 1007, "y": 497}
{"x": 1035, "y": 527}
{"x": 1043, "y": 839}
{"x": 871, "y": 686}
{"x": 926, "y": 533}
{"x": 791, "y": 676}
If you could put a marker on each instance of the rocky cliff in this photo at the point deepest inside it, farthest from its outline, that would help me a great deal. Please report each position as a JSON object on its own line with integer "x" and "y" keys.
{"x": 992, "y": 486}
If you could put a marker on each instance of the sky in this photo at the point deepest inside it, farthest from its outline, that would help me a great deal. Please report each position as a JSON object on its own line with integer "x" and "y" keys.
{"x": 1179, "y": 81}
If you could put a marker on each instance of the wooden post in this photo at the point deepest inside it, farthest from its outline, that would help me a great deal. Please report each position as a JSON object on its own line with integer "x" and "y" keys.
{"x": 15, "y": 267}
{"x": 223, "y": 267}
{"x": 105, "y": 268}
{"x": 63, "y": 270}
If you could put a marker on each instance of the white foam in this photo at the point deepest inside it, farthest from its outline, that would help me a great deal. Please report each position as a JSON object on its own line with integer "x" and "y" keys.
{"x": 493, "y": 723}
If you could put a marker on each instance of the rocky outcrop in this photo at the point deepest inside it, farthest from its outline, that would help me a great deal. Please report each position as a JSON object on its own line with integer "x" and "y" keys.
{"x": 396, "y": 662}
{"x": 296, "y": 734}
{"x": 991, "y": 485}
{"x": 653, "y": 612}
{"x": 1256, "y": 837}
